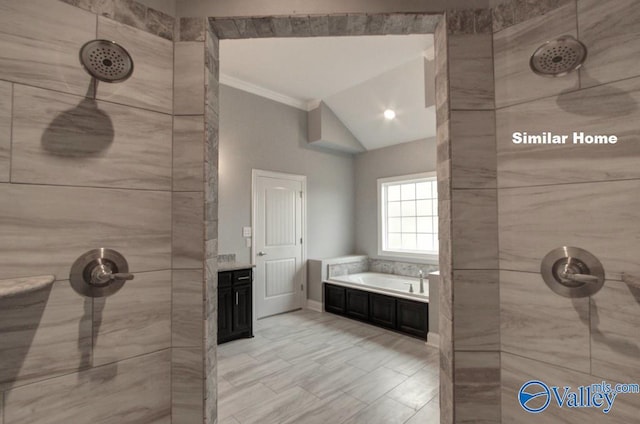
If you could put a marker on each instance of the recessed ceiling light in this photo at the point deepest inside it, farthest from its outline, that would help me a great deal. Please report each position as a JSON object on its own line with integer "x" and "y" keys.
{"x": 389, "y": 114}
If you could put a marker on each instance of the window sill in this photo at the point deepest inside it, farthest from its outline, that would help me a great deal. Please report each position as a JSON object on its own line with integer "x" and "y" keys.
{"x": 411, "y": 257}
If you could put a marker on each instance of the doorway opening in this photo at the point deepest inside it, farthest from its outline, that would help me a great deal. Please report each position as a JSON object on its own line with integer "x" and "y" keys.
{"x": 370, "y": 368}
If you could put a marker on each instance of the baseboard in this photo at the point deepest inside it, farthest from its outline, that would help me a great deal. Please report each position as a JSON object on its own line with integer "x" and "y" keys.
{"x": 314, "y": 305}
{"x": 433, "y": 340}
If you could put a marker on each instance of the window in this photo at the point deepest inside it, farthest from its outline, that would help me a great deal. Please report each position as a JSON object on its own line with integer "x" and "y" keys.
{"x": 408, "y": 216}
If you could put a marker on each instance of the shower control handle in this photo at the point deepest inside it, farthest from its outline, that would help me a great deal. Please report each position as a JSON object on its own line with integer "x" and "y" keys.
{"x": 572, "y": 272}
{"x": 262, "y": 254}
{"x": 99, "y": 273}
{"x": 122, "y": 276}
{"x": 103, "y": 274}
{"x": 579, "y": 278}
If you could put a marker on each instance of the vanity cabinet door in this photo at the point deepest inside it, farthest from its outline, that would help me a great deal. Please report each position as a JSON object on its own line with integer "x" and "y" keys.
{"x": 225, "y": 313}
{"x": 242, "y": 308}
{"x": 358, "y": 304}
{"x": 334, "y": 299}
{"x": 382, "y": 310}
{"x": 413, "y": 317}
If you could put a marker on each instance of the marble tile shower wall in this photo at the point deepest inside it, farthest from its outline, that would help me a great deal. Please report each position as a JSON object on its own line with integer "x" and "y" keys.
{"x": 336, "y": 270}
{"x": 551, "y": 196}
{"x": 77, "y": 172}
{"x": 407, "y": 269}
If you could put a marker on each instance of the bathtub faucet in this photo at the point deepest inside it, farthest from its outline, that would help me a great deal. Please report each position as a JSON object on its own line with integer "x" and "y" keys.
{"x": 421, "y": 282}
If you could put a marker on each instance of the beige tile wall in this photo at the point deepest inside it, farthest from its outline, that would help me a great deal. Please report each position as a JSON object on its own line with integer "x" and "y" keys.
{"x": 513, "y": 46}
{"x": 212, "y": 67}
{"x": 475, "y": 149}
{"x": 613, "y": 46}
{"x": 124, "y": 327}
{"x": 138, "y": 390}
{"x": 46, "y": 228}
{"x": 186, "y": 314}
{"x": 600, "y": 217}
{"x": 473, "y": 291}
{"x": 517, "y": 369}
{"x": 68, "y": 140}
{"x": 44, "y": 334}
{"x": 78, "y": 174}
{"x": 188, "y": 153}
{"x": 477, "y": 387}
{"x": 187, "y": 385}
{"x": 36, "y": 51}
{"x": 188, "y": 229}
{"x": 151, "y": 84}
{"x": 583, "y": 196}
{"x": 189, "y": 82}
{"x": 606, "y": 109}
{"x": 443, "y": 168}
{"x": 6, "y": 102}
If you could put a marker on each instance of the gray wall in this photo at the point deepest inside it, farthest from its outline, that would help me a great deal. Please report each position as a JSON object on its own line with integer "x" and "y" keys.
{"x": 402, "y": 159}
{"x": 257, "y": 133}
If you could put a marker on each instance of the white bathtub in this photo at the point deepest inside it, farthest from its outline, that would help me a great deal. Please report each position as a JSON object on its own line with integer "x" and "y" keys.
{"x": 388, "y": 284}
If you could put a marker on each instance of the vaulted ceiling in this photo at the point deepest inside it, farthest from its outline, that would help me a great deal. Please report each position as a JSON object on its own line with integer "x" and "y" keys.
{"x": 358, "y": 78}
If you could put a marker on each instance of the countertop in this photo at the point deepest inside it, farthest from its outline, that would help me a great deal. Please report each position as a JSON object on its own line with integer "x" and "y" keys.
{"x": 233, "y": 266}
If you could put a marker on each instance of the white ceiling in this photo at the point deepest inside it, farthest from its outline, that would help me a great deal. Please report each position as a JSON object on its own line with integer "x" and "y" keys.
{"x": 357, "y": 77}
{"x": 401, "y": 89}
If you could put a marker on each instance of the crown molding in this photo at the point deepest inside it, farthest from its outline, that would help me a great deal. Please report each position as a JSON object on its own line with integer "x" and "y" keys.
{"x": 269, "y": 94}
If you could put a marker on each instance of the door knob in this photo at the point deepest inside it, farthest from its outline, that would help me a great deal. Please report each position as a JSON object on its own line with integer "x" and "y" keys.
{"x": 262, "y": 253}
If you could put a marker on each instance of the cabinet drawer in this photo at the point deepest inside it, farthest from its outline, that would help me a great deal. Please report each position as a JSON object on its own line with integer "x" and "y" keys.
{"x": 224, "y": 279}
{"x": 242, "y": 276}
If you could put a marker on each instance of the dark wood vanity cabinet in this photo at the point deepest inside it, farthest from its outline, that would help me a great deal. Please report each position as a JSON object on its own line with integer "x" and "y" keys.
{"x": 235, "y": 319}
{"x": 403, "y": 315}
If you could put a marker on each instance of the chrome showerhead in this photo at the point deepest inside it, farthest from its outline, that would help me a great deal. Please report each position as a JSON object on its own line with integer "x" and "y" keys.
{"x": 558, "y": 57}
{"x": 106, "y": 61}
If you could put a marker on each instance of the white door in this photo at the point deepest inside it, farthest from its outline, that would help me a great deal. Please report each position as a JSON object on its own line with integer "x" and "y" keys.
{"x": 278, "y": 227}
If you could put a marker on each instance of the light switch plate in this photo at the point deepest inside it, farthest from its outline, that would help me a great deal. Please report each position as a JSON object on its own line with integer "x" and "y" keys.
{"x": 246, "y": 231}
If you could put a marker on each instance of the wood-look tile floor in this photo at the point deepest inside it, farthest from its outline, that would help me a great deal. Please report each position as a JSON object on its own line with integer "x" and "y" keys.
{"x": 307, "y": 367}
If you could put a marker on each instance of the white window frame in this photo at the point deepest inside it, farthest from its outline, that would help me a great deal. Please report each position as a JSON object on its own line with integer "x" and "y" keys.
{"x": 382, "y": 252}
